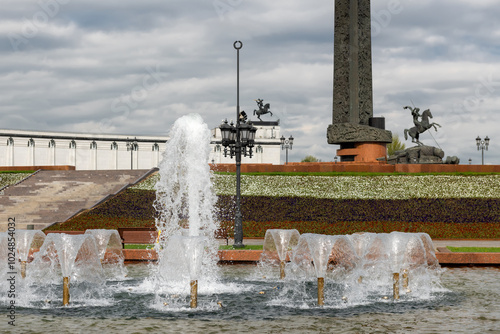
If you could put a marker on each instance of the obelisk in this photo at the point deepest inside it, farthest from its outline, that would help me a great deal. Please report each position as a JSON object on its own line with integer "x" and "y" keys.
{"x": 361, "y": 137}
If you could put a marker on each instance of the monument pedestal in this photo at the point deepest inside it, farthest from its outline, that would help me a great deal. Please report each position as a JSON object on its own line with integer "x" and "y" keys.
{"x": 363, "y": 152}
{"x": 359, "y": 143}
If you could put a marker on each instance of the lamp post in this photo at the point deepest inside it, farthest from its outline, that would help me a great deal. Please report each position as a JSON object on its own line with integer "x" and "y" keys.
{"x": 285, "y": 145}
{"x": 237, "y": 140}
{"x": 131, "y": 146}
{"x": 482, "y": 145}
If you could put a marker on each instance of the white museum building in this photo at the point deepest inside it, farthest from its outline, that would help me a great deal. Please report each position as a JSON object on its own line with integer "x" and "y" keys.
{"x": 87, "y": 151}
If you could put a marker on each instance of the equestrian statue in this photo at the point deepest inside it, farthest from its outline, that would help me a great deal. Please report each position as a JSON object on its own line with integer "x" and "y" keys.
{"x": 263, "y": 109}
{"x": 421, "y": 125}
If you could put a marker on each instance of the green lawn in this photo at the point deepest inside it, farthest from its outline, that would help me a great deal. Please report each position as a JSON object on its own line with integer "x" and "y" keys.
{"x": 247, "y": 247}
{"x": 474, "y": 249}
{"x": 138, "y": 246}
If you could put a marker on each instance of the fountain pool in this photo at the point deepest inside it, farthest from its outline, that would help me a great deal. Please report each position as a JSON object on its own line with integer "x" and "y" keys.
{"x": 468, "y": 303}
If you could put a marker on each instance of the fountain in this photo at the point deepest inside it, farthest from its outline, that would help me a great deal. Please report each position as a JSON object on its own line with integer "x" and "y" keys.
{"x": 349, "y": 276}
{"x": 362, "y": 266}
{"x": 318, "y": 254}
{"x": 74, "y": 257}
{"x": 187, "y": 249}
{"x": 277, "y": 247}
{"x": 399, "y": 255}
{"x": 109, "y": 248}
{"x": 26, "y": 241}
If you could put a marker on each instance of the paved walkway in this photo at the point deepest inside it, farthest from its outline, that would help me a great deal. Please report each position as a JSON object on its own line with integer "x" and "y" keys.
{"x": 54, "y": 196}
{"x": 466, "y": 243}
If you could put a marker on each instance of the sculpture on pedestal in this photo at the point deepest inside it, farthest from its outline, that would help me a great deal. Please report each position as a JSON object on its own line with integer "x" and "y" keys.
{"x": 420, "y": 154}
{"x": 420, "y": 126}
{"x": 263, "y": 109}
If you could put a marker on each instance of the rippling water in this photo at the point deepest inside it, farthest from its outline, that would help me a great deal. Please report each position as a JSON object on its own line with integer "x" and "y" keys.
{"x": 470, "y": 303}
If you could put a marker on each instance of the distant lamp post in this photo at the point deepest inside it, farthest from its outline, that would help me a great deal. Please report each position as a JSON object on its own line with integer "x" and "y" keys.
{"x": 482, "y": 145}
{"x": 336, "y": 159}
{"x": 132, "y": 146}
{"x": 285, "y": 145}
{"x": 470, "y": 161}
{"x": 238, "y": 139}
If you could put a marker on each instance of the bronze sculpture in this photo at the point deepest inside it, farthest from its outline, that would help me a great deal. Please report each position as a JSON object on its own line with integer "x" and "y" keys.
{"x": 421, "y": 125}
{"x": 263, "y": 109}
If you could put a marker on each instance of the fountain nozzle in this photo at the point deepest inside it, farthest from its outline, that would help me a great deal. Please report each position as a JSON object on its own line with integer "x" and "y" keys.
{"x": 194, "y": 294}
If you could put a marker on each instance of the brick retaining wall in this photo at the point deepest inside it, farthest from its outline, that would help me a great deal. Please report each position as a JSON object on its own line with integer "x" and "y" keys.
{"x": 315, "y": 167}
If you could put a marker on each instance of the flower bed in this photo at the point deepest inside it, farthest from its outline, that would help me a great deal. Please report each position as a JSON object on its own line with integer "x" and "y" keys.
{"x": 452, "y": 210}
{"x": 355, "y": 187}
{"x": 435, "y": 230}
{"x": 444, "y": 206}
{"x": 8, "y": 178}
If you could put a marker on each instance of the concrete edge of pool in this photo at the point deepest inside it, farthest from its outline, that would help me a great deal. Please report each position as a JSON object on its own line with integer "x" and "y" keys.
{"x": 252, "y": 256}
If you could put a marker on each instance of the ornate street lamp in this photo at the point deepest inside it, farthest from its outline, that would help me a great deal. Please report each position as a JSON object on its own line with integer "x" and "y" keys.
{"x": 237, "y": 140}
{"x": 482, "y": 145}
{"x": 286, "y": 144}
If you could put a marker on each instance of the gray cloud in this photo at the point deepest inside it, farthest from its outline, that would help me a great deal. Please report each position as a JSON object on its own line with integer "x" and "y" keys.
{"x": 134, "y": 67}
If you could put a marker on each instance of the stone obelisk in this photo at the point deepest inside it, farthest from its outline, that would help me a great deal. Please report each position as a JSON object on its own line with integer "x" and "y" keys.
{"x": 361, "y": 136}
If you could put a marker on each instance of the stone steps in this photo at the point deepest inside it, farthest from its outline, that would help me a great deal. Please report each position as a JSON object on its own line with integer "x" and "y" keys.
{"x": 53, "y": 196}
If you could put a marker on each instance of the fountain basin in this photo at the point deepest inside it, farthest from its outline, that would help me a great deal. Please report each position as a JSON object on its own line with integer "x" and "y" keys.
{"x": 466, "y": 305}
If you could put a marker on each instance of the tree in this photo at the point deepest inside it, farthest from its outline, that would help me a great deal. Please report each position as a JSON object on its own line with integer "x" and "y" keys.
{"x": 310, "y": 158}
{"x": 396, "y": 145}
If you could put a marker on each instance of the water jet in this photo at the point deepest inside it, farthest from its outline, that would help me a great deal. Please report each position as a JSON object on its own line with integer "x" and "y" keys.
{"x": 184, "y": 201}
{"x": 26, "y": 241}
{"x": 72, "y": 257}
{"x": 277, "y": 247}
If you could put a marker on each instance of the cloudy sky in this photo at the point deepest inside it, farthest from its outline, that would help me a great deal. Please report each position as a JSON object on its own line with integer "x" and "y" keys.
{"x": 134, "y": 67}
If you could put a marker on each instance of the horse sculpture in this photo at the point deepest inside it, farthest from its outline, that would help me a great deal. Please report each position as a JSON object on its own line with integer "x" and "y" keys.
{"x": 263, "y": 109}
{"x": 420, "y": 126}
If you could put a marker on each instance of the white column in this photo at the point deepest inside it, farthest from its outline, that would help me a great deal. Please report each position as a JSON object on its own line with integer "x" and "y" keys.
{"x": 136, "y": 158}
{"x": 72, "y": 153}
{"x": 10, "y": 152}
{"x": 155, "y": 155}
{"x": 93, "y": 155}
{"x": 31, "y": 152}
{"x": 114, "y": 149}
{"x": 52, "y": 152}
{"x": 259, "y": 152}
